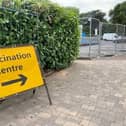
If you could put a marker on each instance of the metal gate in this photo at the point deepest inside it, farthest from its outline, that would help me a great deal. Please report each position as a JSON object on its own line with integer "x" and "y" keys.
{"x": 89, "y": 37}
{"x": 93, "y": 42}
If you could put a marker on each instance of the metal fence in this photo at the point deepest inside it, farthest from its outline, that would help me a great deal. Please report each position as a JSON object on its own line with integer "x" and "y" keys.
{"x": 89, "y": 37}
{"x": 101, "y": 39}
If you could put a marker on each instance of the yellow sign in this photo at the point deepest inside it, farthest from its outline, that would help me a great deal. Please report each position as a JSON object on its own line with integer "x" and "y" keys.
{"x": 19, "y": 70}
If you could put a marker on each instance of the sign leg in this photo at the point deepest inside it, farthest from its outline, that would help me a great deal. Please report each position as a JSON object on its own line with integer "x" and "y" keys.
{"x": 47, "y": 91}
{"x": 2, "y": 100}
{"x": 34, "y": 91}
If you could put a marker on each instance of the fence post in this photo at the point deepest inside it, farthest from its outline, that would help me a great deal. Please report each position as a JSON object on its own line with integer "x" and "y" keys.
{"x": 117, "y": 30}
{"x": 100, "y": 34}
{"x": 124, "y": 31}
{"x": 90, "y": 20}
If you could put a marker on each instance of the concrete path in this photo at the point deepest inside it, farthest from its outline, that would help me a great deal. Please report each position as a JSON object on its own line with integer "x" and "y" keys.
{"x": 89, "y": 93}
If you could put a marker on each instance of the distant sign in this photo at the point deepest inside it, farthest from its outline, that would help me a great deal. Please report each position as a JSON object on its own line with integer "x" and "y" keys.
{"x": 19, "y": 70}
{"x": 96, "y": 31}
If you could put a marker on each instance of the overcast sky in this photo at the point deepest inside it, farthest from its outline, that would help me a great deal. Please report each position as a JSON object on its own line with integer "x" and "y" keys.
{"x": 88, "y": 5}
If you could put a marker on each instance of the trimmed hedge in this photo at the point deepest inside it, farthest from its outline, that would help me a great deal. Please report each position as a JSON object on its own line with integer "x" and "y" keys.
{"x": 53, "y": 28}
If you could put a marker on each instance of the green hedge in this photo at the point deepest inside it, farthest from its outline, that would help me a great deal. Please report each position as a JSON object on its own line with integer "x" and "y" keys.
{"x": 53, "y": 28}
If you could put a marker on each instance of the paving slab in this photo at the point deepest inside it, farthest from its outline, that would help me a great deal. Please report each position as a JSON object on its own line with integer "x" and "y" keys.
{"x": 89, "y": 93}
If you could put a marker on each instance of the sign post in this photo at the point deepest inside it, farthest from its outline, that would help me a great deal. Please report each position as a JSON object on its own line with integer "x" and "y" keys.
{"x": 20, "y": 71}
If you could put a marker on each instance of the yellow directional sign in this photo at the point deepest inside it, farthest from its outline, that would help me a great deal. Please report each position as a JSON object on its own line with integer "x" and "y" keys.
{"x": 19, "y": 70}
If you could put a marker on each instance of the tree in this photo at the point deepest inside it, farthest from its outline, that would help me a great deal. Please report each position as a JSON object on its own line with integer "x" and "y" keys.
{"x": 95, "y": 14}
{"x": 84, "y": 20}
{"x": 118, "y": 14}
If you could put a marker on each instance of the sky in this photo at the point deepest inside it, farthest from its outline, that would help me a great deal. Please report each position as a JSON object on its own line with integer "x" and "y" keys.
{"x": 89, "y": 5}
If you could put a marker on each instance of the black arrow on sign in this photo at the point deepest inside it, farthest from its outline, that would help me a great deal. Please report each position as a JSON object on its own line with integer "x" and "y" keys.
{"x": 22, "y": 79}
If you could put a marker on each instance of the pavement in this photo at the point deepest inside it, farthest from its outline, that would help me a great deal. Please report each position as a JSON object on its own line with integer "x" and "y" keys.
{"x": 105, "y": 48}
{"x": 89, "y": 93}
